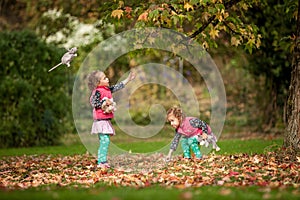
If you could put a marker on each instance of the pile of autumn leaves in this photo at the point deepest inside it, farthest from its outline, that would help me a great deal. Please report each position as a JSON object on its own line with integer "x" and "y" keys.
{"x": 266, "y": 170}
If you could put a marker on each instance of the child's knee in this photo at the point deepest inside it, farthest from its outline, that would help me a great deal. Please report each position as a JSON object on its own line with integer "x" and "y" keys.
{"x": 192, "y": 141}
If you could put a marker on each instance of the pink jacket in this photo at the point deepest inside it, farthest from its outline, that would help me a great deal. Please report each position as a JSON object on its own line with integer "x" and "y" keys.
{"x": 98, "y": 112}
{"x": 188, "y": 130}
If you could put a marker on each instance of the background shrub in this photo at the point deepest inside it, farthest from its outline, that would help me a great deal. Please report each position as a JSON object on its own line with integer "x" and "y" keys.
{"x": 35, "y": 105}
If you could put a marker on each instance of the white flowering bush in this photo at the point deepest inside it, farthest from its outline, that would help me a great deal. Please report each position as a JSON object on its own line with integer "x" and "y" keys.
{"x": 67, "y": 31}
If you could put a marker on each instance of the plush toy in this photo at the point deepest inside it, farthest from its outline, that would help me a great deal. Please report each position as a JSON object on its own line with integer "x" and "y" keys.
{"x": 66, "y": 58}
{"x": 108, "y": 105}
{"x": 211, "y": 139}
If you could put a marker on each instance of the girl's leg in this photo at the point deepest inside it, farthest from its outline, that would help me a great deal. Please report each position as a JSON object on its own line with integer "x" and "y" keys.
{"x": 193, "y": 143}
{"x": 103, "y": 148}
{"x": 185, "y": 147}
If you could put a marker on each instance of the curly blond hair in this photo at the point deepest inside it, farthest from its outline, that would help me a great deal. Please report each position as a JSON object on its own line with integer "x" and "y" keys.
{"x": 177, "y": 112}
{"x": 94, "y": 79}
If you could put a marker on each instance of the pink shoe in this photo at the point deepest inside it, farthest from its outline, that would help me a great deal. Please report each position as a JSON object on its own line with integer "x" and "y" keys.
{"x": 103, "y": 165}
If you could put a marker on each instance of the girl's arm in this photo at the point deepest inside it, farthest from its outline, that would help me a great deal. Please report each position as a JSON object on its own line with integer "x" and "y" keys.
{"x": 122, "y": 84}
{"x": 173, "y": 145}
{"x": 95, "y": 100}
{"x": 197, "y": 123}
{"x": 117, "y": 87}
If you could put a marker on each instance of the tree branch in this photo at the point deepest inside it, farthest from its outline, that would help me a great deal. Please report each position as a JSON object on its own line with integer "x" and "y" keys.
{"x": 197, "y": 32}
{"x": 227, "y": 5}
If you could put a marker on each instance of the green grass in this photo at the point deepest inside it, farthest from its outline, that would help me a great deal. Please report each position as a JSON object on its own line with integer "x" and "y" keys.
{"x": 128, "y": 193}
{"x": 248, "y": 146}
{"x": 227, "y": 147}
{"x": 54, "y": 150}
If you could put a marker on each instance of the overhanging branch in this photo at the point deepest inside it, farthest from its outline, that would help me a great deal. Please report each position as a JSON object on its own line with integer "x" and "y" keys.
{"x": 227, "y": 5}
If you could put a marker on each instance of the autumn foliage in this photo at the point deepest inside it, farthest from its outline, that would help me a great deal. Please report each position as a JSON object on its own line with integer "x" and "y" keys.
{"x": 265, "y": 170}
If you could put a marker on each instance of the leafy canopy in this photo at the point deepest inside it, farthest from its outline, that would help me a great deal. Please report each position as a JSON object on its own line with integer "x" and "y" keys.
{"x": 205, "y": 20}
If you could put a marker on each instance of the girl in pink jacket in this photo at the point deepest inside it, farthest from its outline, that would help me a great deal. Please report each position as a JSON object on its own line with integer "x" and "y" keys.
{"x": 188, "y": 129}
{"x": 101, "y": 95}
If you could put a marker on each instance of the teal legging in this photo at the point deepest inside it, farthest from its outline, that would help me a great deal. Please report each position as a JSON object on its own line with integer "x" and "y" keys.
{"x": 103, "y": 147}
{"x": 190, "y": 143}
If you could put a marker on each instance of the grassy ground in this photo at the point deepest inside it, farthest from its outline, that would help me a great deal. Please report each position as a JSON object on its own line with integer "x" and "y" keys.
{"x": 128, "y": 193}
{"x": 227, "y": 146}
{"x": 100, "y": 191}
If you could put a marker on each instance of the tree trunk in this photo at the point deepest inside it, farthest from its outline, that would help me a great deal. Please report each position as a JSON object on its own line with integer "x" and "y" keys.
{"x": 292, "y": 133}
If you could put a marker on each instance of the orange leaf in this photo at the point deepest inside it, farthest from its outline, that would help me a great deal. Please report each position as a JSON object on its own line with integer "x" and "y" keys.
{"x": 143, "y": 17}
{"x": 117, "y": 13}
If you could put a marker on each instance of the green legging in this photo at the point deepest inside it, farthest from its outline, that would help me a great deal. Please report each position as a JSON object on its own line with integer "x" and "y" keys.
{"x": 190, "y": 143}
{"x": 104, "y": 140}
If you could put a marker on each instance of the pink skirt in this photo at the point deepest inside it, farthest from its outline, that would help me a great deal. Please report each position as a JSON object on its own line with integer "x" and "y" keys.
{"x": 102, "y": 126}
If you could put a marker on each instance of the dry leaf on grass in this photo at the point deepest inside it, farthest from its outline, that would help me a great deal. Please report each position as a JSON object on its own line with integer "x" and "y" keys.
{"x": 139, "y": 170}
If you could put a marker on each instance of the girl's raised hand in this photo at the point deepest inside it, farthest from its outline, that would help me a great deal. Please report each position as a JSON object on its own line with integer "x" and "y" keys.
{"x": 131, "y": 76}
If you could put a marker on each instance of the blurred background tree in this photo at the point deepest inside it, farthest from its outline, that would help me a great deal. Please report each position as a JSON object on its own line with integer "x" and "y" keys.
{"x": 34, "y": 103}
